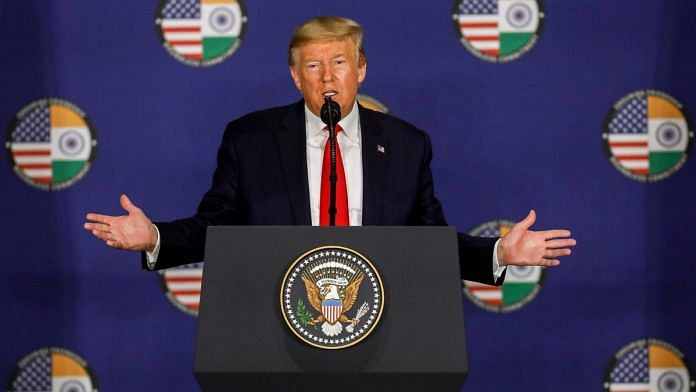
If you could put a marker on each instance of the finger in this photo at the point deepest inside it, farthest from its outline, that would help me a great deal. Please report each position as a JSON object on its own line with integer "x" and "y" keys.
{"x": 551, "y": 263}
{"x": 114, "y": 244}
{"x": 128, "y": 205}
{"x": 98, "y": 226}
{"x": 548, "y": 234}
{"x": 100, "y": 218}
{"x": 553, "y": 253}
{"x": 564, "y": 243}
{"x": 102, "y": 235}
{"x": 527, "y": 222}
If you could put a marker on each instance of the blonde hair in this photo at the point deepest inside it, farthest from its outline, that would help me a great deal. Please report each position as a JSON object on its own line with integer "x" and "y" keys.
{"x": 325, "y": 29}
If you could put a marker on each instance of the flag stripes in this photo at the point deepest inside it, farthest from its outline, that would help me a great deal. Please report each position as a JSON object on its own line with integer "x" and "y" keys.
{"x": 185, "y": 286}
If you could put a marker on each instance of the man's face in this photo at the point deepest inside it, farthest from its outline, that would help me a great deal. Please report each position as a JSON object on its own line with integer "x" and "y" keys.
{"x": 328, "y": 68}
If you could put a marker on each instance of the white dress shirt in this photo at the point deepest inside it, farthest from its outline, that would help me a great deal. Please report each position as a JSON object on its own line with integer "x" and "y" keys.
{"x": 350, "y": 146}
{"x": 349, "y": 142}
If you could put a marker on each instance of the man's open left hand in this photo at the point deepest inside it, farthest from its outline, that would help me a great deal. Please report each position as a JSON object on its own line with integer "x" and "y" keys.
{"x": 522, "y": 246}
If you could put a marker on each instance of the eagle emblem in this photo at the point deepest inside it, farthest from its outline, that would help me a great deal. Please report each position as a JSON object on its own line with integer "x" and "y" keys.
{"x": 332, "y": 297}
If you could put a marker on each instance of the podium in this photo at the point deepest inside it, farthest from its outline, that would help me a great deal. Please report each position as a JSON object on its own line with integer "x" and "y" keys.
{"x": 244, "y": 343}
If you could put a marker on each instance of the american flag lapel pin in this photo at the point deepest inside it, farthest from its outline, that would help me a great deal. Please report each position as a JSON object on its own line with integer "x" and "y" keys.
{"x": 380, "y": 148}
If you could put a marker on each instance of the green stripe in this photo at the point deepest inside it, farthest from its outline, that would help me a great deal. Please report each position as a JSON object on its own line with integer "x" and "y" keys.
{"x": 216, "y": 46}
{"x": 515, "y": 292}
{"x": 663, "y": 160}
{"x": 65, "y": 170}
{"x": 512, "y": 42}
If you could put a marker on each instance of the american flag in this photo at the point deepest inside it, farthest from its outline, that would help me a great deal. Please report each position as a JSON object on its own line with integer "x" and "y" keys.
{"x": 181, "y": 27}
{"x": 35, "y": 376}
{"x": 31, "y": 144}
{"x": 184, "y": 284}
{"x": 631, "y": 372}
{"x": 628, "y": 136}
{"x": 478, "y": 22}
{"x": 491, "y": 295}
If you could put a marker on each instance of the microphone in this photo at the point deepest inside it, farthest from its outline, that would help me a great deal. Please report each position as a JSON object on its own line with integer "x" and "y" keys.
{"x": 330, "y": 112}
{"x": 331, "y": 115}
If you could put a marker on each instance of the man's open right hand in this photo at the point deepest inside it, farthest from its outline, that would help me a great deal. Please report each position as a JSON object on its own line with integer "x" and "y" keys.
{"x": 134, "y": 231}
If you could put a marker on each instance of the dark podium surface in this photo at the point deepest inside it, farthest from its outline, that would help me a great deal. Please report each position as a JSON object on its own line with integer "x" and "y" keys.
{"x": 243, "y": 342}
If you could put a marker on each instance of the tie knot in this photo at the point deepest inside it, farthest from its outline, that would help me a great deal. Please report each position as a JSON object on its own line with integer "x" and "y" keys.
{"x": 338, "y": 128}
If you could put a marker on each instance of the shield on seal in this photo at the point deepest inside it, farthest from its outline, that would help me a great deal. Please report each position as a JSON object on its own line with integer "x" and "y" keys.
{"x": 331, "y": 309}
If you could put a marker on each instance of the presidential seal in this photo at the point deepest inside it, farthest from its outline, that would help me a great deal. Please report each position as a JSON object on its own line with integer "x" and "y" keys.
{"x": 498, "y": 30}
{"x": 647, "y": 135}
{"x": 201, "y": 33}
{"x": 649, "y": 365}
{"x": 372, "y": 103}
{"x": 332, "y": 297}
{"x": 51, "y": 144}
{"x": 522, "y": 283}
{"x": 52, "y": 369}
{"x": 182, "y": 286}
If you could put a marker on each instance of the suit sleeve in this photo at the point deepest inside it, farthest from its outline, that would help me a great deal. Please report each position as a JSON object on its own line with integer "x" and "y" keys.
{"x": 183, "y": 240}
{"x": 475, "y": 253}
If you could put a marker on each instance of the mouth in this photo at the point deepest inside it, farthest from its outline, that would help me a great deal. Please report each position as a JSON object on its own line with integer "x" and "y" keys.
{"x": 330, "y": 93}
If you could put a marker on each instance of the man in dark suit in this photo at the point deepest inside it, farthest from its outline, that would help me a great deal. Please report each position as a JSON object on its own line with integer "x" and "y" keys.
{"x": 270, "y": 171}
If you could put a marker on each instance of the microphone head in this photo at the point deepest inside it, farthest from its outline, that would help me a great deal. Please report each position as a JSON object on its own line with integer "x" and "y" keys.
{"x": 330, "y": 111}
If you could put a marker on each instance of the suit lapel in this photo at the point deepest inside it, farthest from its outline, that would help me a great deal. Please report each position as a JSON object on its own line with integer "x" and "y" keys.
{"x": 375, "y": 159}
{"x": 293, "y": 155}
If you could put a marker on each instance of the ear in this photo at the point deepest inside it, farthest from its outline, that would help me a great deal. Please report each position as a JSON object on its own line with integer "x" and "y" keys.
{"x": 296, "y": 76}
{"x": 362, "y": 69}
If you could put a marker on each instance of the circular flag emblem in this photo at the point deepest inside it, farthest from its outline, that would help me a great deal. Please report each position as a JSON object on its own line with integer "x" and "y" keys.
{"x": 498, "y": 30}
{"x": 372, "y": 103}
{"x": 521, "y": 285}
{"x": 649, "y": 365}
{"x": 332, "y": 297}
{"x": 52, "y": 369}
{"x": 51, "y": 144}
{"x": 201, "y": 33}
{"x": 647, "y": 135}
{"x": 182, "y": 286}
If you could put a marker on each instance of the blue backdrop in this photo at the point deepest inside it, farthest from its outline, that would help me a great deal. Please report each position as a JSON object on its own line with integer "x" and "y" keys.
{"x": 506, "y": 138}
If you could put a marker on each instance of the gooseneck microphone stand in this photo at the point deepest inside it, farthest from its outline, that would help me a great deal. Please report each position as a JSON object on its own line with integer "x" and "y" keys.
{"x": 331, "y": 115}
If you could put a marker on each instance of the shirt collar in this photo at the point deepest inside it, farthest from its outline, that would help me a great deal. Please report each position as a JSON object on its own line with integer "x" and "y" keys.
{"x": 350, "y": 124}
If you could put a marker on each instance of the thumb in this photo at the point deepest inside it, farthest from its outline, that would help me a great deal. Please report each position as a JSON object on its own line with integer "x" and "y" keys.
{"x": 527, "y": 222}
{"x": 127, "y": 205}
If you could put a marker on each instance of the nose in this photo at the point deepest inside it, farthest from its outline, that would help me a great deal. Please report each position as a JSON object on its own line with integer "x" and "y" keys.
{"x": 326, "y": 74}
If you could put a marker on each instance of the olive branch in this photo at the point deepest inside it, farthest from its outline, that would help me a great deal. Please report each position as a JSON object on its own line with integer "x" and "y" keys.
{"x": 302, "y": 313}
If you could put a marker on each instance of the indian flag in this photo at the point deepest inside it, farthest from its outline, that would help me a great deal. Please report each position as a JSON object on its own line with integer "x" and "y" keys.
{"x": 667, "y": 134}
{"x": 222, "y": 25}
{"x": 667, "y": 371}
{"x": 71, "y": 144}
{"x": 69, "y": 375}
{"x": 519, "y": 21}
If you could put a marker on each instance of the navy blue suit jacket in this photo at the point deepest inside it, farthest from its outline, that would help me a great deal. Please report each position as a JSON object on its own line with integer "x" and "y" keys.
{"x": 261, "y": 179}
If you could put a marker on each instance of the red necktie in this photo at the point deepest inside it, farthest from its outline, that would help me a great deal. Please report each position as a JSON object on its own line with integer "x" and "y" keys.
{"x": 341, "y": 188}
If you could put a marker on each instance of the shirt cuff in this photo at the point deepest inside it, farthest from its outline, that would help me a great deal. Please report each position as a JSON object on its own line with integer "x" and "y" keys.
{"x": 152, "y": 256}
{"x": 497, "y": 269}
